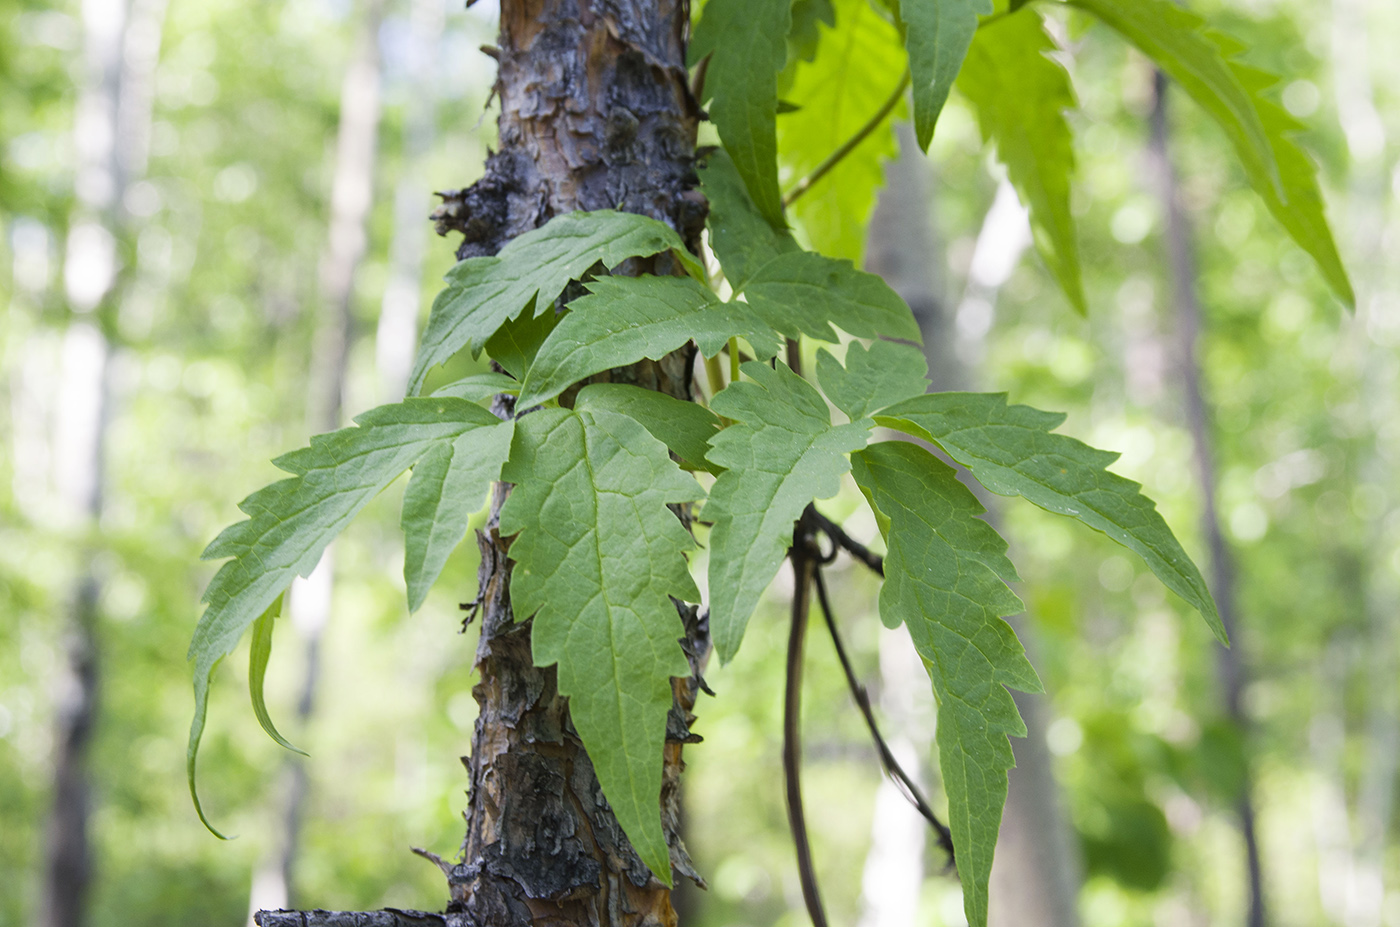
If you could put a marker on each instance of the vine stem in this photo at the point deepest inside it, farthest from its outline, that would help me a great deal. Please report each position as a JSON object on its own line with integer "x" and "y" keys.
{"x": 837, "y": 156}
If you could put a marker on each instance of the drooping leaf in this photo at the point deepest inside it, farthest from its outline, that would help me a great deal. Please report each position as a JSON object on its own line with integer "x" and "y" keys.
{"x": 871, "y": 379}
{"x": 515, "y": 344}
{"x": 1232, "y": 93}
{"x": 479, "y": 386}
{"x": 598, "y": 556}
{"x": 741, "y": 238}
{"x": 684, "y": 427}
{"x": 291, "y": 521}
{"x": 944, "y": 579}
{"x": 258, "y": 656}
{"x": 1020, "y": 97}
{"x": 782, "y": 453}
{"x": 937, "y": 34}
{"x": 1011, "y": 451}
{"x": 747, "y": 44}
{"x": 802, "y": 291}
{"x": 484, "y": 292}
{"x": 624, "y": 319}
{"x": 859, "y": 67}
{"x": 448, "y": 486}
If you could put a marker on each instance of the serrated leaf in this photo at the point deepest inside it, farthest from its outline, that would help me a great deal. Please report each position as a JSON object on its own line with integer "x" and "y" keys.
{"x": 258, "y": 656}
{"x": 624, "y": 319}
{"x": 515, "y": 344}
{"x": 1232, "y": 93}
{"x": 1011, "y": 451}
{"x": 859, "y": 66}
{"x": 448, "y": 486}
{"x": 598, "y": 557}
{"x": 479, "y": 386}
{"x": 747, "y": 44}
{"x": 484, "y": 292}
{"x": 781, "y": 453}
{"x": 886, "y": 373}
{"x": 741, "y": 238}
{"x": 291, "y": 521}
{"x": 937, "y": 35}
{"x": 1020, "y": 97}
{"x": 684, "y": 427}
{"x": 803, "y": 291}
{"x": 943, "y": 580}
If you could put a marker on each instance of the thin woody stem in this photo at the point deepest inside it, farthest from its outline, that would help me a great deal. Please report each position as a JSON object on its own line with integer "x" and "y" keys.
{"x": 849, "y": 544}
{"x": 837, "y": 156}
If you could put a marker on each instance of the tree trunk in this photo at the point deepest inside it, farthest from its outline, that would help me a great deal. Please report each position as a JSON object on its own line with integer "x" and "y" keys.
{"x": 595, "y": 114}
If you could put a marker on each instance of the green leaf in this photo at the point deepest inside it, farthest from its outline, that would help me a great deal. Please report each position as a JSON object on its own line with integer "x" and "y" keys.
{"x": 804, "y": 37}
{"x": 515, "y": 344}
{"x": 871, "y": 379}
{"x": 741, "y": 238}
{"x": 747, "y": 44}
{"x": 291, "y": 521}
{"x": 937, "y": 34}
{"x": 479, "y": 386}
{"x": 598, "y": 558}
{"x": 684, "y": 427}
{"x": 859, "y": 66}
{"x": 483, "y": 293}
{"x": 1232, "y": 93}
{"x": 802, "y": 291}
{"x": 260, "y": 653}
{"x": 1020, "y": 97}
{"x": 1010, "y": 450}
{"x": 624, "y": 319}
{"x": 782, "y": 453}
{"x": 943, "y": 579}
{"x": 448, "y": 486}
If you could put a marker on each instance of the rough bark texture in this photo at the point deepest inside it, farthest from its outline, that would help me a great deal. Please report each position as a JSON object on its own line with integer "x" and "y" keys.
{"x": 595, "y": 114}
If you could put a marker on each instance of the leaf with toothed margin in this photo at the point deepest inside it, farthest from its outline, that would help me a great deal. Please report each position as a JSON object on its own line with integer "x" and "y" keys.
{"x": 886, "y": 373}
{"x": 781, "y": 453}
{"x": 684, "y": 427}
{"x": 945, "y": 579}
{"x": 741, "y": 238}
{"x": 598, "y": 557}
{"x": 803, "y": 292}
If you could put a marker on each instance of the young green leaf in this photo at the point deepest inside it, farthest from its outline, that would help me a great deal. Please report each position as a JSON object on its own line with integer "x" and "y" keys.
{"x": 937, "y": 34}
{"x": 1011, "y": 451}
{"x": 479, "y": 386}
{"x": 886, "y": 373}
{"x": 448, "y": 487}
{"x": 684, "y": 427}
{"x": 1232, "y": 93}
{"x": 484, "y": 292}
{"x": 858, "y": 67}
{"x": 801, "y": 292}
{"x": 747, "y": 44}
{"x": 782, "y": 453}
{"x": 258, "y": 656}
{"x": 291, "y": 521}
{"x": 515, "y": 344}
{"x": 598, "y": 557}
{"x": 1020, "y": 97}
{"x": 741, "y": 238}
{"x": 944, "y": 579}
{"x": 624, "y": 319}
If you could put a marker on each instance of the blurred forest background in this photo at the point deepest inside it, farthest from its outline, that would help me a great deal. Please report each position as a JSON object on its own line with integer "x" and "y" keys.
{"x": 213, "y": 242}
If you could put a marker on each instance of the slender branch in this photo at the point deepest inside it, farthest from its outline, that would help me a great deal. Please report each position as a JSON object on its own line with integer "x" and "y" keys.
{"x": 847, "y": 543}
{"x": 861, "y": 697}
{"x": 837, "y": 156}
{"x": 803, "y": 557}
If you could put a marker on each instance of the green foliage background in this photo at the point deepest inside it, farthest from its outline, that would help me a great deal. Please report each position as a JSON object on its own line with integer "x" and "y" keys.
{"x": 212, "y": 343}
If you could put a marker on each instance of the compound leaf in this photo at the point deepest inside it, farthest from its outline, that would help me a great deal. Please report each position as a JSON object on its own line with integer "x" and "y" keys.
{"x": 291, "y": 521}
{"x": 598, "y": 557}
{"x": 782, "y": 453}
{"x": 943, "y": 579}
{"x": 448, "y": 486}
{"x": 1232, "y": 93}
{"x": 485, "y": 292}
{"x": 802, "y": 291}
{"x": 937, "y": 34}
{"x": 1011, "y": 451}
{"x": 1020, "y": 97}
{"x": 684, "y": 427}
{"x": 624, "y": 319}
{"x": 747, "y": 44}
{"x": 886, "y": 373}
{"x": 741, "y": 238}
